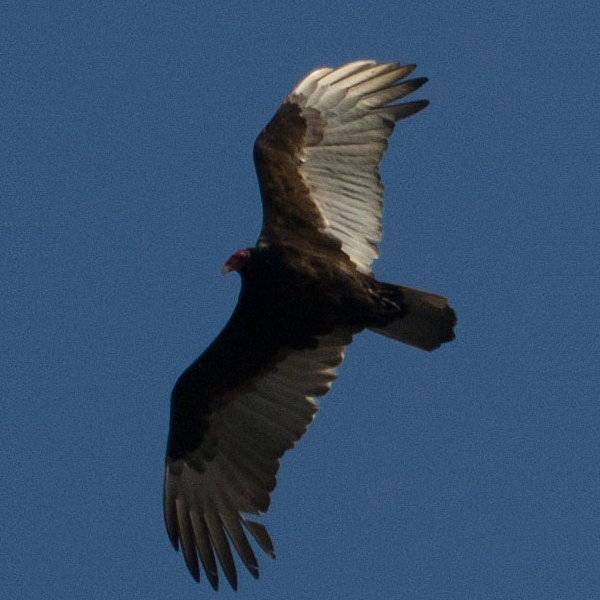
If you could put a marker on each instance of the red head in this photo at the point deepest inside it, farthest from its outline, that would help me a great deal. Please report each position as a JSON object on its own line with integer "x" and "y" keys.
{"x": 236, "y": 261}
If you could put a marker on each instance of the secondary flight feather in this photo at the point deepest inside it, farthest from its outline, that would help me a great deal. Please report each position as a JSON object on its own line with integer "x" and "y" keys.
{"x": 307, "y": 289}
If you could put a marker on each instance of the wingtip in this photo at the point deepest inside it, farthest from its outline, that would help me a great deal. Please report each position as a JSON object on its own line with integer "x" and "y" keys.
{"x": 260, "y": 534}
{"x": 253, "y": 571}
{"x": 416, "y": 83}
{"x": 406, "y": 70}
{"x": 410, "y": 108}
{"x": 213, "y": 579}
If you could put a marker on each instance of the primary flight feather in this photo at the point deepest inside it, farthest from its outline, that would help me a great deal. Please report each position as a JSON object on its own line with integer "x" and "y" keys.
{"x": 307, "y": 288}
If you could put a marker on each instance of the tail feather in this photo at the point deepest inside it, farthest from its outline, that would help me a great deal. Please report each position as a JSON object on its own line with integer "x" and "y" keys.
{"x": 428, "y": 323}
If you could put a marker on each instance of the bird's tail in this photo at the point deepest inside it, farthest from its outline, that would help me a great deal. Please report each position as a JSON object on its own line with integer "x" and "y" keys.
{"x": 427, "y": 324}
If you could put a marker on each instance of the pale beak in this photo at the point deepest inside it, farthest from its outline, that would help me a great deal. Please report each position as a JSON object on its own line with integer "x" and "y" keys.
{"x": 226, "y": 269}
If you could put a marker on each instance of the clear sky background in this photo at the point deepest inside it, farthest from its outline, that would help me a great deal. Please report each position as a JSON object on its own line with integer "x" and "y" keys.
{"x": 126, "y": 180}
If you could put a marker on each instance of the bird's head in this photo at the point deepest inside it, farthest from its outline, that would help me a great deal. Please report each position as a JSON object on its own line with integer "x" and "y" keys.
{"x": 236, "y": 261}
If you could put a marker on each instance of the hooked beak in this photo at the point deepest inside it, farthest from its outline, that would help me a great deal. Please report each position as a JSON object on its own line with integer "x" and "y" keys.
{"x": 226, "y": 269}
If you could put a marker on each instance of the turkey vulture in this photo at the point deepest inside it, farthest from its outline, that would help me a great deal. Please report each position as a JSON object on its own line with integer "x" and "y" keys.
{"x": 307, "y": 288}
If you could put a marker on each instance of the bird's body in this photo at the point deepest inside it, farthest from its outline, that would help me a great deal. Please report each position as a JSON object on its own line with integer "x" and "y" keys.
{"x": 307, "y": 288}
{"x": 287, "y": 300}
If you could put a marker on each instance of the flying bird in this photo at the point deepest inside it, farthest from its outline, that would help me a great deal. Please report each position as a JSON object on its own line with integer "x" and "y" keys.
{"x": 307, "y": 289}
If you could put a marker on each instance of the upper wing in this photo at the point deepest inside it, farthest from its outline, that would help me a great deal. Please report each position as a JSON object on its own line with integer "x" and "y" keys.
{"x": 318, "y": 159}
{"x": 224, "y": 451}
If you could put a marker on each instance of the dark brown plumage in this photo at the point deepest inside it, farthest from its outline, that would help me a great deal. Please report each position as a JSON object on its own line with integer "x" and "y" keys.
{"x": 307, "y": 288}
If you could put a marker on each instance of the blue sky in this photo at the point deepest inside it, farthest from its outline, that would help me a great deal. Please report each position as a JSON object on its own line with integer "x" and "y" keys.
{"x": 126, "y": 180}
